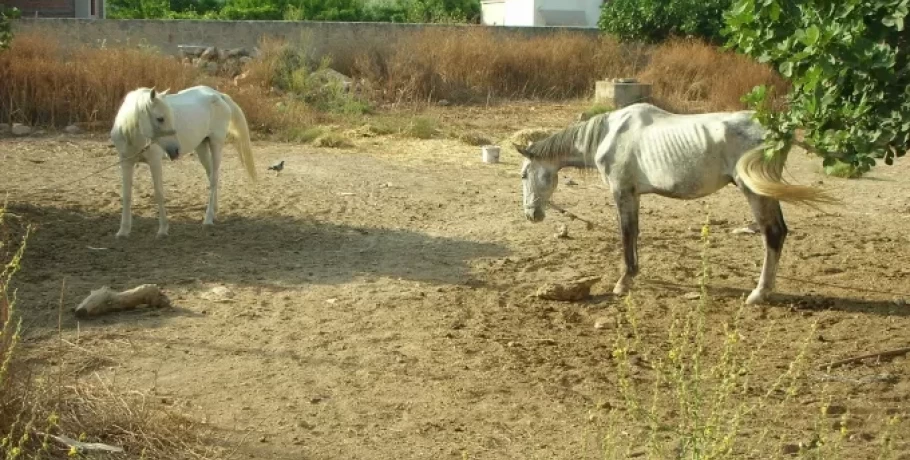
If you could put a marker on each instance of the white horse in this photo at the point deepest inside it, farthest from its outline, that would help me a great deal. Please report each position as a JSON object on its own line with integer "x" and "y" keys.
{"x": 643, "y": 149}
{"x": 150, "y": 124}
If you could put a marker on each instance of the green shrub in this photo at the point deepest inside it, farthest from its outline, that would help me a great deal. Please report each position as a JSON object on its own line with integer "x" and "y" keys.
{"x": 657, "y": 20}
{"x": 6, "y": 28}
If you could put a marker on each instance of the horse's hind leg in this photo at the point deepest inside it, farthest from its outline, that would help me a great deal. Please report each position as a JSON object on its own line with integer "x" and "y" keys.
{"x": 204, "y": 152}
{"x": 627, "y": 204}
{"x": 215, "y": 147}
{"x": 770, "y": 220}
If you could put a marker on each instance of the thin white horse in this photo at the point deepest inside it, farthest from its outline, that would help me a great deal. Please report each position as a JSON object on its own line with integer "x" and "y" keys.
{"x": 643, "y": 149}
{"x": 150, "y": 124}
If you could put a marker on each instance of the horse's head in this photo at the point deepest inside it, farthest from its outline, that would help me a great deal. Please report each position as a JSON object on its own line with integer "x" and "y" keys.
{"x": 158, "y": 126}
{"x": 539, "y": 177}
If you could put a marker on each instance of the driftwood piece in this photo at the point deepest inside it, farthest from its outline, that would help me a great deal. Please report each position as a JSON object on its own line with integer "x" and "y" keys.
{"x": 880, "y": 355}
{"x": 106, "y": 300}
{"x": 82, "y": 446}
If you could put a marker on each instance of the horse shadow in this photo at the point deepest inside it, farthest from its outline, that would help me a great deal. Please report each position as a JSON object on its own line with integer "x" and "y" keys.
{"x": 802, "y": 302}
{"x": 73, "y": 251}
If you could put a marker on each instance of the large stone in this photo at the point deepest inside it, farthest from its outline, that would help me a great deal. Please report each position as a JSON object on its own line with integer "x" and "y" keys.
{"x": 21, "y": 130}
{"x": 72, "y": 129}
{"x": 237, "y": 52}
{"x": 210, "y": 54}
{"x": 621, "y": 92}
{"x": 332, "y": 76}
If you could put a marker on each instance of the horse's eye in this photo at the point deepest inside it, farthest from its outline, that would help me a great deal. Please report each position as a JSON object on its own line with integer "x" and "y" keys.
{"x": 160, "y": 119}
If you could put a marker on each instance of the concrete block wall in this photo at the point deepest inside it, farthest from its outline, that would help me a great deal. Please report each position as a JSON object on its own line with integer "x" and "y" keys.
{"x": 340, "y": 39}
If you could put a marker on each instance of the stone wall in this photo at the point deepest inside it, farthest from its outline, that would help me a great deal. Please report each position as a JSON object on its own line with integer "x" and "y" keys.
{"x": 339, "y": 39}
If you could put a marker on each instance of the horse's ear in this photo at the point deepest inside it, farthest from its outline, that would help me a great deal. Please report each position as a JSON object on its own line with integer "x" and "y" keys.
{"x": 164, "y": 93}
{"x": 152, "y": 94}
{"x": 522, "y": 150}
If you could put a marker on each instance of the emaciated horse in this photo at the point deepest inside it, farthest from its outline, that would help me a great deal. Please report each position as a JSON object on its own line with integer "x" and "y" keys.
{"x": 150, "y": 124}
{"x": 643, "y": 149}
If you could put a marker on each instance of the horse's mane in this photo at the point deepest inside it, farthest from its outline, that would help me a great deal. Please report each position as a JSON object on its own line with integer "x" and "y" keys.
{"x": 585, "y": 135}
{"x": 135, "y": 103}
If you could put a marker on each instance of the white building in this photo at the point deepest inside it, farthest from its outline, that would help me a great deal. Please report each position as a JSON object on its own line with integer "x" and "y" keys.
{"x": 531, "y": 13}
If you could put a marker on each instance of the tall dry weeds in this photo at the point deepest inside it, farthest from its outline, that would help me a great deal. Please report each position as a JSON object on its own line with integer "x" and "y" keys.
{"x": 690, "y": 76}
{"x": 47, "y": 84}
{"x": 479, "y": 65}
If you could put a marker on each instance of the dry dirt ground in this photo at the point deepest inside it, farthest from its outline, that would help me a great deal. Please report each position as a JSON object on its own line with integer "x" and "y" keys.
{"x": 379, "y": 299}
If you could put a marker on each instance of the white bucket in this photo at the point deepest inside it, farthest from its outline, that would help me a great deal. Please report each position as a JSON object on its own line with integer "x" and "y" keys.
{"x": 490, "y": 153}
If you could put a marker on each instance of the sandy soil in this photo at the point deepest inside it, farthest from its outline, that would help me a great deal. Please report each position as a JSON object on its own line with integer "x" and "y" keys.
{"x": 379, "y": 299}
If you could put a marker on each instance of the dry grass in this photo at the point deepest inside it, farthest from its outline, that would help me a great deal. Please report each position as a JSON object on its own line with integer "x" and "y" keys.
{"x": 480, "y": 65}
{"x": 46, "y": 84}
{"x": 35, "y": 404}
{"x": 690, "y": 76}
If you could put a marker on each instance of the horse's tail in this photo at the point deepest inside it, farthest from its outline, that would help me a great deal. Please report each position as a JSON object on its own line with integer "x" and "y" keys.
{"x": 240, "y": 131}
{"x": 764, "y": 177}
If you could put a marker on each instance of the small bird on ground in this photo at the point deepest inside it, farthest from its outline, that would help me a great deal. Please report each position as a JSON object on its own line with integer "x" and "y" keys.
{"x": 277, "y": 167}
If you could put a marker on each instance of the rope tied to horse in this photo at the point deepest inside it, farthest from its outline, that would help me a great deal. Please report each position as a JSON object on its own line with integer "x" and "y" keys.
{"x": 56, "y": 187}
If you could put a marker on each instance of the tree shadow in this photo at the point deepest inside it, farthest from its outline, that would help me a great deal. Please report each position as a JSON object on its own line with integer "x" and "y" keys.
{"x": 273, "y": 253}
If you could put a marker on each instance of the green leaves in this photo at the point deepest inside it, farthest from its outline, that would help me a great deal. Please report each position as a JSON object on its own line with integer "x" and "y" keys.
{"x": 6, "y": 29}
{"x": 656, "y": 20}
{"x": 850, "y": 69}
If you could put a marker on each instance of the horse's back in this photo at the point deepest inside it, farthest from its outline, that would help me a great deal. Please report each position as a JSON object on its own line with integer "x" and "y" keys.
{"x": 689, "y": 155}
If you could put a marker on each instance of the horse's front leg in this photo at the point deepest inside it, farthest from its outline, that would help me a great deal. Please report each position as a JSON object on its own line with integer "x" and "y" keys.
{"x": 126, "y": 197}
{"x": 153, "y": 156}
{"x": 627, "y": 205}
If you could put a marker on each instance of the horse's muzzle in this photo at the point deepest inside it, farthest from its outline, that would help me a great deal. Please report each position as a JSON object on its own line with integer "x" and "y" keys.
{"x": 172, "y": 152}
{"x": 534, "y": 214}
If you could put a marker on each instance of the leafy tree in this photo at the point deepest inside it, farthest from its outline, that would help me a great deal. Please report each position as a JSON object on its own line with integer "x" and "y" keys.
{"x": 656, "y": 20}
{"x": 849, "y": 64}
{"x": 325, "y": 10}
{"x": 6, "y": 27}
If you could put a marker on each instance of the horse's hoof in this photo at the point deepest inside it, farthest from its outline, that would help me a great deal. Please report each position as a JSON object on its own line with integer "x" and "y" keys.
{"x": 756, "y": 297}
{"x": 122, "y": 234}
{"x": 620, "y": 289}
{"x": 161, "y": 235}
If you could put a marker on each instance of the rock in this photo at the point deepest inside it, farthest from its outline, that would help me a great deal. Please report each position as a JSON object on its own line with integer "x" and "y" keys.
{"x": 443, "y": 103}
{"x": 579, "y": 289}
{"x": 210, "y": 54}
{"x": 332, "y": 76}
{"x": 751, "y": 229}
{"x": 219, "y": 294}
{"x": 237, "y": 52}
{"x": 900, "y": 302}
{"x": 692, "y": 296}
{"x": 562, "y": 231}
{"x": 72, "y": 129}
{"x": 568, "y": 181}
{"x": 603, "y": 323}
{"x": 19, "y": 129}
